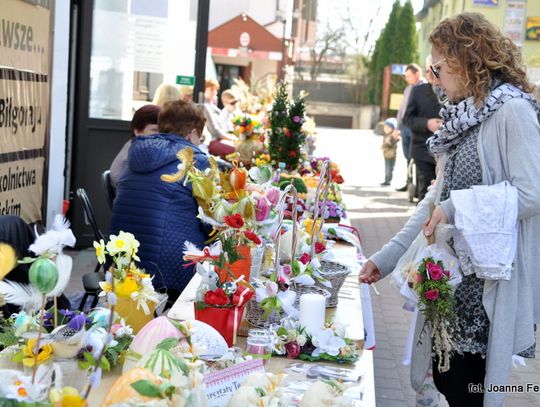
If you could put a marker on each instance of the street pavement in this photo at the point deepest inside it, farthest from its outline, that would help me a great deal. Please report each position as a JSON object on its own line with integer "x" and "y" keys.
{"x": 378, "y": 212}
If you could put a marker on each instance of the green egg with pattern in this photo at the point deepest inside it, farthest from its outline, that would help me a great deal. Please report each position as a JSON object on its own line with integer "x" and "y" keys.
{"x": 43, "y": 275}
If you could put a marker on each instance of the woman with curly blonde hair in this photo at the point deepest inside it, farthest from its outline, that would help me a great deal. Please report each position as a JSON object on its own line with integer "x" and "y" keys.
{"x": 488, "y": 189}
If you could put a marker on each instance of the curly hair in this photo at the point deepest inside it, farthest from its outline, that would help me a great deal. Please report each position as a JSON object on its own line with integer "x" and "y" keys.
{"x": 477, "y": 52}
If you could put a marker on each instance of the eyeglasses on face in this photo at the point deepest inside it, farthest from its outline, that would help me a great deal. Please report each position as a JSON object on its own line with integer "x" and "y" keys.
{"x": 436, "y": 68}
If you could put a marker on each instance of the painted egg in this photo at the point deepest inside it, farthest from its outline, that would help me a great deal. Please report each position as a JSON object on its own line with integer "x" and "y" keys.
{"x": 149, "y": 337}
{"x": 229, "y": 287}
{"x": 207, "y": 340}
{"x": 43, "y": 275}
{"x": 122, "y": 391}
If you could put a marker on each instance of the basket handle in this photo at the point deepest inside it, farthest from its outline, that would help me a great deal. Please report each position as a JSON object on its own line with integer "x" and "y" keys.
{"x": 325, "y": 178}
{"x": 290, "y": 190}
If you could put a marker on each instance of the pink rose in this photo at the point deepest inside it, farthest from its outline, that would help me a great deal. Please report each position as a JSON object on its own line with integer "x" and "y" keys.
{"x": 287, "y": 270}
{"x": 292, "y": 349}
{"x": 446, "y": 273}
{"x": 272, "y": 194}
{"x": 432, "y": 295}
{"x": 435, "y": 271}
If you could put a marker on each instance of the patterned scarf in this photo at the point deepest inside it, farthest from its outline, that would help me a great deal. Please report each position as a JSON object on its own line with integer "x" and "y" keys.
{"x": 464, "y": 115}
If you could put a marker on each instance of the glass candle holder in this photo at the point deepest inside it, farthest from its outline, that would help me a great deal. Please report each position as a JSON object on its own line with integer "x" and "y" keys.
{"x": 259, "y": 344}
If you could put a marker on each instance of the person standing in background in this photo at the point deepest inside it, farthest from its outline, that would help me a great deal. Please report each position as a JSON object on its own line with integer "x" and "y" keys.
{"x": 413, "y": 77}
{"x": 389, "y": 149}
{"x": 230, "y": 109}
{"x": 422, "y": 118}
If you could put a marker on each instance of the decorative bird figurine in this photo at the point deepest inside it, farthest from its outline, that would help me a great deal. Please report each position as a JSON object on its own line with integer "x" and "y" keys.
{"x": 67, "y": 340}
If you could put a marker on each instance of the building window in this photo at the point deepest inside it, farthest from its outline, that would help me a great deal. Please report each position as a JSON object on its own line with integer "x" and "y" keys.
{"x": 136, "y": 46}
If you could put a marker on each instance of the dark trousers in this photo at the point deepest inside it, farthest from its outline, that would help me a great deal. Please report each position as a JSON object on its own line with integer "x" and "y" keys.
{"x": 425, "y": 173}
{"x": 388, "y": 170}
{"x": 466, "y": 373}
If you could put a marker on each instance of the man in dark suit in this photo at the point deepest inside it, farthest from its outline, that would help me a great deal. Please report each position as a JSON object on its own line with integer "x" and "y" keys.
{"x": 422, "y": 117}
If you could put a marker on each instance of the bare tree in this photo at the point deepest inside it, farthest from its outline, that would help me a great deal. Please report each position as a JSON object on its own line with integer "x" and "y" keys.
{"x": 331, "y": 43}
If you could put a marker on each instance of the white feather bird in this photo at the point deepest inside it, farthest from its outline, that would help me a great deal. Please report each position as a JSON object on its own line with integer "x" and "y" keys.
{"x": 28, "y": 297}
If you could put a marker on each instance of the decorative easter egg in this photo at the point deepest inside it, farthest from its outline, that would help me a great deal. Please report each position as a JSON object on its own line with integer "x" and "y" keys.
{"x": 162, "y": 360}
{"x": 43, "y": 275}
{"x": 121, "y": 390}
{"x": 153, "y": 333}
{"x": 100, "y": 317}
{"x": 148, "y": 338}
{"x": 206, "y": 339}
{"x": 229, "y": 287}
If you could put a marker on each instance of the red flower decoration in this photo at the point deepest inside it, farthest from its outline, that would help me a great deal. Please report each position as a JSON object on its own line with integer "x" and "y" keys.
{"x": 250, "y": 235}
{"x": 242, "y": 295}
{"x": 432, "y": 295}
{"x": 235, "y": 221}
{"x": 292, "y": 349}
{"x": 319, "y": 248}
{"x": 305, "y": 258}
{"x": 216, "y": 297}
{"x": 292, "y": 153}
{"x": 435, "y": 271}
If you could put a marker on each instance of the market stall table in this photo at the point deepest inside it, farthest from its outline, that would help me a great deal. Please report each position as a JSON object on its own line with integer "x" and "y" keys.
{"x": 348, "y": 312}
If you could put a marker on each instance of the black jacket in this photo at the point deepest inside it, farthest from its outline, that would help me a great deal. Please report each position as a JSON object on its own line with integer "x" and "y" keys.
{"x": 423, "y": 105}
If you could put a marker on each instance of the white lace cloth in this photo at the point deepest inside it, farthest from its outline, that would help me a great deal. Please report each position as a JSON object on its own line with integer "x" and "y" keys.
{"x": 486, "y": 222}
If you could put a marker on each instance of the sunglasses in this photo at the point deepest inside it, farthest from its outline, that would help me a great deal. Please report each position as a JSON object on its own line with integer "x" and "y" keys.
{"x": 436, "y": 69}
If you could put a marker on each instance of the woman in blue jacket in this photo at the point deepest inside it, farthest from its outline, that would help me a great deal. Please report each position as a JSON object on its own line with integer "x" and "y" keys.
{"x": 161, "y": 215}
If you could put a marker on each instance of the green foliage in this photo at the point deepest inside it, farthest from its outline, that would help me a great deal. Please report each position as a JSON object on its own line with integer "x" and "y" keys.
{"x": 7, "y": 334}
{"x": 286, "y": 137}
{"x": 397, "y": 44}
{"x": 443, "y": 307}
{"x": 147, "y": 388}
{"x": 298, "y": 183}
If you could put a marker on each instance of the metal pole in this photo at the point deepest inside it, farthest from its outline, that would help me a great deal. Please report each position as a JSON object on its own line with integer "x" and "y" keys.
{"x": 201, "y": 45}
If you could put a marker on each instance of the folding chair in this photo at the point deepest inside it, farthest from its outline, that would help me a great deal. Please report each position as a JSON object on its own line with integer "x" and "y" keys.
{"x": 107, "y": 186}
{"x": 91, "y": 280}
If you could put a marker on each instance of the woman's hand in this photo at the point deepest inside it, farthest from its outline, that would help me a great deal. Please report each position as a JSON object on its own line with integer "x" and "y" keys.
{"x": 438, "y": 216}
{"x": 369, "y": 273}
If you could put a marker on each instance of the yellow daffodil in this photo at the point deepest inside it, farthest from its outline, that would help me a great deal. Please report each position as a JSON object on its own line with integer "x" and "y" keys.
{"x": 127, "y": 287}
{"x": 67, "y": 397}
{"x": 100, "y": 251}
{"x": 116, "y": 245}
{"x": 45, "y": 352}
{"x": 105, "y": 287}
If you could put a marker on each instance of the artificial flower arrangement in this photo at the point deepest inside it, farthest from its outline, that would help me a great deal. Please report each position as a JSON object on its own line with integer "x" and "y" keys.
{"x": 68, "y": 349}
{"x": 221, "y": 295}
{"x": 262, "y": 160}
{"x": 436, "y": 299}
{"x": 248, "y": 128}
{"x": 251, "y": 139}
{"x": 329, "y": 343}
{"x": 332, "y": 211}
{"x": 124, "y": 279}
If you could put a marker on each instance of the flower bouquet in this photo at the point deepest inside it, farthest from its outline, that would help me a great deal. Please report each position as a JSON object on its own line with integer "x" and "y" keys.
{"x": 436, "y": 302}
{"x": 329, "y": 343}
{"x": 250, "y": 133}
{"x": 221, "y": 296}
{"x": 126, "y": 286}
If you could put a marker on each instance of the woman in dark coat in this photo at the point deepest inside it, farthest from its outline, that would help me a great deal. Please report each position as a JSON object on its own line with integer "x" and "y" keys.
{"x": 162, "y": 215}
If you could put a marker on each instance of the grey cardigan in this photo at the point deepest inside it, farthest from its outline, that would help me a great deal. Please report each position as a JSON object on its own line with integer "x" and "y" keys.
{"x": 509, "y": 149}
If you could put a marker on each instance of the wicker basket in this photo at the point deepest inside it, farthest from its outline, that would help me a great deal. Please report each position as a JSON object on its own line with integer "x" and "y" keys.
{"x": 335, "y": 273}
{"x": 254, "y": 313}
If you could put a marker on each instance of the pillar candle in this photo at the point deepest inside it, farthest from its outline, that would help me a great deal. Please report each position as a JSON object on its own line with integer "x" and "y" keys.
{"x": 312, "y": 312}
